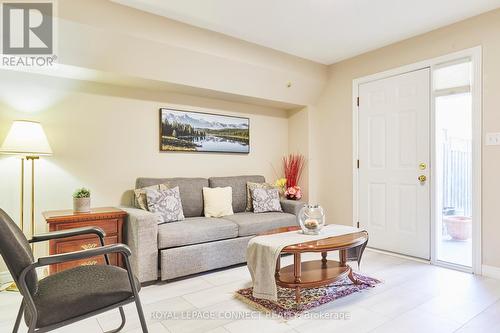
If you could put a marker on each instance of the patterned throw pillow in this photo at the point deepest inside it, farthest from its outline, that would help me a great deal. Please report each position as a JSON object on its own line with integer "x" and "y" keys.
{"x": 140, "y": 195}
{"x": 251, "y": 186}
{"x": 266, "y": 200}
{"x": 167, "y": 203}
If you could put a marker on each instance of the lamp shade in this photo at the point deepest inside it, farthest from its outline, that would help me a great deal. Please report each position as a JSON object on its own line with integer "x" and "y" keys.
{"x": 26, "y": 138}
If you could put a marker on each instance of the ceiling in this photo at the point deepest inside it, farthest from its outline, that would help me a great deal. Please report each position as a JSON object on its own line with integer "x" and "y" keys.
{"x": 325, "y": 31}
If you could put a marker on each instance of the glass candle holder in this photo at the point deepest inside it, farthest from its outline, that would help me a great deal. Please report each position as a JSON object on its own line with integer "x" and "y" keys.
{"x": 311, "y": 219}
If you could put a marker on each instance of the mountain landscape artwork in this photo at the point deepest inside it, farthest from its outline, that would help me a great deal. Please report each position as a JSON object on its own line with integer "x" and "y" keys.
{"x": 203, "y": 132}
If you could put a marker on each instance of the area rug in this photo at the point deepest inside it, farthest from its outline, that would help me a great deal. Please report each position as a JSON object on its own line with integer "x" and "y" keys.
{"x": 287, "y": 308}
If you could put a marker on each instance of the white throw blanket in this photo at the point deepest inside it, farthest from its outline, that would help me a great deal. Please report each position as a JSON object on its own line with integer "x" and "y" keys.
{"x": 263, "y": 251}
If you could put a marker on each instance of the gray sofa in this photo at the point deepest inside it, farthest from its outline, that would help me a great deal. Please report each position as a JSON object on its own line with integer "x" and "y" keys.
{"x": 198, "y": 244}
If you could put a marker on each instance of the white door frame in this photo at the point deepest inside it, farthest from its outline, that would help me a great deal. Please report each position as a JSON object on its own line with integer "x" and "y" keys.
{"x": 475, "y": 54}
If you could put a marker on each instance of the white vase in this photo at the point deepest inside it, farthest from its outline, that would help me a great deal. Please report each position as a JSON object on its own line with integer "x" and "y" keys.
{"x": 81, "y": 205}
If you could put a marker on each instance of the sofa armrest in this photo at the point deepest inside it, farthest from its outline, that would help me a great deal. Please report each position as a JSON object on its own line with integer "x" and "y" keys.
{"x": 291, "y": 206}
{"x": 141, "y": 235}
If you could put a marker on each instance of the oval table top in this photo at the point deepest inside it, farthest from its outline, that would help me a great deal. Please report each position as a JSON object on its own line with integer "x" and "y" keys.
{"x": 346, "y": 241}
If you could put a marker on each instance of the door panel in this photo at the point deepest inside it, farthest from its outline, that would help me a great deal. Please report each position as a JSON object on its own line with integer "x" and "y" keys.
{"x": 378, "y": 205}
{"x": 377, "y": 142}
{"x": 394, "y": 206}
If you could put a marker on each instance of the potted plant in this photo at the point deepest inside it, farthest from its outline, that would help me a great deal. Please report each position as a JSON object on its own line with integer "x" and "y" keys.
{"x": 81, "y": 200}
{"x": 458, "y": 227}
{"x": 456, "y": 224}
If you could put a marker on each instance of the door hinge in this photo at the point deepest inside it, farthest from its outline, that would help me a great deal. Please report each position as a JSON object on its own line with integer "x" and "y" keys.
{"x": 357, "y": 164}
{"x": 358, "y": 224}
{"x": 358, "y": 101}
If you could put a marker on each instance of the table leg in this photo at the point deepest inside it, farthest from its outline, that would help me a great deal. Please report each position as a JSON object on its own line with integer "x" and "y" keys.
{"x": 323, "y": 259}
{"x": 278, "y": 267}
{"x": 343, "y": 257}
{"x": 352, "y": 278}
{"x": 297, "y": 270}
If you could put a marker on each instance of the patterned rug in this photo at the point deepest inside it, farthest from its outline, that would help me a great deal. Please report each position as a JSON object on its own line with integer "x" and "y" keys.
{"x": 287, "y": 308}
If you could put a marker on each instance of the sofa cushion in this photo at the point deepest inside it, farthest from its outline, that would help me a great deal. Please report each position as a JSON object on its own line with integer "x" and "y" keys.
{"x": 190, "y": 189}
{"x": 252, "y": 223}
{"x": 239, "y": 185}
{"x": 195, "y": 230}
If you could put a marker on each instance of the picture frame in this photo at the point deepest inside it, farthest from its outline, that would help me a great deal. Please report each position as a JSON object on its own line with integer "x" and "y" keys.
{"x": 193, "y": 131}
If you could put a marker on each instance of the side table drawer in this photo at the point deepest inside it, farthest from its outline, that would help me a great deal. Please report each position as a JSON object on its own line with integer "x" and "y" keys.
{"x": 82, "y": 244}
{"x": 109, "y": 226}
{"x": 113, "y": 260}
{"x": 72, "y": 245}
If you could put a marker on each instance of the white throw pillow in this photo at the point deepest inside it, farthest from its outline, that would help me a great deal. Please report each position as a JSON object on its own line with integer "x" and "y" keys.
{"x": 218, "y": 201}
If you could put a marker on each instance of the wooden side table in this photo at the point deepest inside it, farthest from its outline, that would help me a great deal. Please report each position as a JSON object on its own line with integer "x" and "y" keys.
{"x": 109, "y": 219}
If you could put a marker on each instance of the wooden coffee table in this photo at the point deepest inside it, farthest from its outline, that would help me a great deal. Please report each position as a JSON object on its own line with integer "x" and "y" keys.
{"x": 317, "y": 273}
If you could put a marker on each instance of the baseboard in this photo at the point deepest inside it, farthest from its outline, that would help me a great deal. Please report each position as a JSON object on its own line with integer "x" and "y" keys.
{"x": 397, "y": 255}
{"x": 491, "y": 271}
{"x": 5, "y": 277}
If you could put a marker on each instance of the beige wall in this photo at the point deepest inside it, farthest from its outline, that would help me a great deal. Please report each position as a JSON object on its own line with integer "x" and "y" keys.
{"x": 104, "y": 137}
{"x": 331, "y": 125}
{"x": 298, "y": 142}
{"x": 92, "y": 35}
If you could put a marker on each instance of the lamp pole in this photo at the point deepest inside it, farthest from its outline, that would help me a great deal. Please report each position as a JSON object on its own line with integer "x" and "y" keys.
{"x": 27, "y": 139}
{"x": 32, "y": 212}
{"x": 21, "y": 217}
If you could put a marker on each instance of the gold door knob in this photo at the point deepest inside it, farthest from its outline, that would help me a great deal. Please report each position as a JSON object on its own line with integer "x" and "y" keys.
{"x": 422, "y": 178}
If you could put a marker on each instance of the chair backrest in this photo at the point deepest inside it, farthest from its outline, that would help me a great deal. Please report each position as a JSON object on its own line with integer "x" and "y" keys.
{"x": 16, "y": 251}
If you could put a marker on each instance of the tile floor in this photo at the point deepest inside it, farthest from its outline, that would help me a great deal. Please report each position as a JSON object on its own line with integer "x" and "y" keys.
{"x": 455, "y": 252}
{"x": 415, "y": 297}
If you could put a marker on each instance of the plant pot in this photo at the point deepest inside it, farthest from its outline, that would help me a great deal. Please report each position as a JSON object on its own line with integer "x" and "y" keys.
{"x": 458, "y": 227}
{"x": 81, "y": 205}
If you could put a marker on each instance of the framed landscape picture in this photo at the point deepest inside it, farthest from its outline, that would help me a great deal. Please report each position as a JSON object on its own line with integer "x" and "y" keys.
{"x": 203, "y": 132}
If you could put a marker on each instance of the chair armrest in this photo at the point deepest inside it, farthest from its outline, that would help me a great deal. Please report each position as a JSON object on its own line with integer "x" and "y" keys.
{"x": 141, "y": 235}
{"x": 83, "y": 254}
{"x": 291, "y": 206}
{"x": 68, "y": 233}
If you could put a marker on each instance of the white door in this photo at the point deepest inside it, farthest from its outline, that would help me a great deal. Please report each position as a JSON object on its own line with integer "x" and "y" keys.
{"x": 394, "y": 205}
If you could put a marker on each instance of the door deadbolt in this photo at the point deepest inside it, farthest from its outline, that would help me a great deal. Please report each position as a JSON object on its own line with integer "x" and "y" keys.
{"x": 422, "y": 166}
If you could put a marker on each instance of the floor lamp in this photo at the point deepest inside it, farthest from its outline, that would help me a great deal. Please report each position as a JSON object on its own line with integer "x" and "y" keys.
{"x": 28, "y": 140}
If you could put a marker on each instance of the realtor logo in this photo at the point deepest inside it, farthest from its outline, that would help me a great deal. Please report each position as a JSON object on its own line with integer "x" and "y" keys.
{"x": 27, "y": 28}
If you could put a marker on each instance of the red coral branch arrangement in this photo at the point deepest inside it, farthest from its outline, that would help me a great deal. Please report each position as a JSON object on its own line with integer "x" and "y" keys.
{"x": 293, "y": 165}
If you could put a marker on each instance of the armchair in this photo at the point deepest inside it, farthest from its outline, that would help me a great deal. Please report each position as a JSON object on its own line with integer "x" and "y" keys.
{"x": 72, "y": 295}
